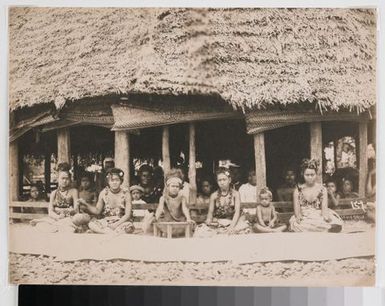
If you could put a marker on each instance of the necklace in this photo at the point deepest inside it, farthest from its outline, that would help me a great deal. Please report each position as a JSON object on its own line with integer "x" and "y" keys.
{"x": 64, "y": 192}
{"x": 115, "y": 192}
{"x": 224, "y": 195}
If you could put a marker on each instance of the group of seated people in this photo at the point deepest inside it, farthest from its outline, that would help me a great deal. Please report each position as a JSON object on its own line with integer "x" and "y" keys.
{"x": 110, "y": 211}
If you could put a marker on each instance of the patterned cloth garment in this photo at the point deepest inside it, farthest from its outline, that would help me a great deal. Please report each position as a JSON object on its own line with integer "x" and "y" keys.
{"x": 63, "y": 203}
{"x": 111, "y": 210}
{"x": 224, "y": 206}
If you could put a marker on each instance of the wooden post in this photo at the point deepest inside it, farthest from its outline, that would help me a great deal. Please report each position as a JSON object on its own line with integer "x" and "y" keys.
{"x": 363, "y": 162}
{"x": 373, "y": 131}
{"x": 260, "y": 160}
{"x": 191, "y": 168}
{"x": 122, "y": 155}
{"x": 63, "y": 145}
{"x": 316, "y": 146}
{"x": 166, "y": 150}
{"x": 169, "y": 231}
{"x": 47, "y": 172}
{"x": 14, "y": 171}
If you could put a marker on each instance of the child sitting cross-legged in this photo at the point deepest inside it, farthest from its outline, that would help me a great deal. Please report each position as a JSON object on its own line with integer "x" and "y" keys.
{"x": 113, "y": 211}
{"x": 63, "y": 209}
{"x": 267, "y": 220}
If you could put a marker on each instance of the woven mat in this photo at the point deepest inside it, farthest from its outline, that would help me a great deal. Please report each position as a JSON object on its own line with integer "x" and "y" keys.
{"x": 241, "y": 249}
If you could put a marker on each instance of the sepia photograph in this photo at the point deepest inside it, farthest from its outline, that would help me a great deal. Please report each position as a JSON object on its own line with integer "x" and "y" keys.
{"x": 192, "y": 146}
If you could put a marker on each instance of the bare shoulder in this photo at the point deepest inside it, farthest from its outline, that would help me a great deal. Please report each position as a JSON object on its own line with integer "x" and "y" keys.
{"x": 235, "y": 193}
{"x": 214, "y": 195}
{"x": 73, "y": 191}
{"x": 321, "y": 187}
{"x": 296, "y": 189}
{"x": 181, "y": 198}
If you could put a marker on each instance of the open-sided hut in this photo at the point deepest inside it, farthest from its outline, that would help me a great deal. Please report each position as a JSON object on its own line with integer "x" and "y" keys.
{"x": 104, "y": 78}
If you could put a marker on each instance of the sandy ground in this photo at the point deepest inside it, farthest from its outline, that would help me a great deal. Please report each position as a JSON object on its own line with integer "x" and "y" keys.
{"x": 45, "y": 270}
{"x": 33, "y": 269}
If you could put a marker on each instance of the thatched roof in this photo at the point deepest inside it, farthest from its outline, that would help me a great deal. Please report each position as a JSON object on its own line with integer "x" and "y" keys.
{"x": 251, "y": 58}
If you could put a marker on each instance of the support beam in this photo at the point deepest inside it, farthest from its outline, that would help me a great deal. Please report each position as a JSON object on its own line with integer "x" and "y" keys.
{"x": 192, "y": 161}
{"x": 47, "y": 172}
{"x": 14, "y": 171}
{"x": 373, "y": 131}
{"x": 122, "y": 155}
{"x": 166, "y": 150}
{"x": 363, "y": 158}
{"x": 316, "y": 146}
{"x": 63, "y": 145}
{"x": 260, "y": 160}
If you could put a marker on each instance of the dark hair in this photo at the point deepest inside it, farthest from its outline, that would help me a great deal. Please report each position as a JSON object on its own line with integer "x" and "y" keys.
{"x": 145, "y": 168}
{"x": 37, "y": 186}
{"x": 64, "y": 167}
{"x": 289, "y": 168}
{"x": 344, "y": 179}
{"x": 224, "y": 171}
{"x": 206, "y": 179}
{"x": 172, "y": 173}
{"x": 251, "y": 171}
{"x": 309, "y": 164}
{"x": 85, "y": 174}
{"x": 115, "y": 171}
{"x": 266, "y": 190}
{"x": 181, "y": 167}
{"x": 331, "y": 181}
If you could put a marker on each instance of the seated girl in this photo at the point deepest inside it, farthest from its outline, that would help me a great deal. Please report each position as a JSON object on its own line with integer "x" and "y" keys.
{"x": 35, "y": 195}
{"x": 224, "y": 215}
{"x": 86, "y": 192}
{"x": 347, "y": 189}
{"x": 333, "y": 196}
{"x": 112, "y": 213}
{"x": 172, "y": 206}
{"x": 311, "y": 212}
{"x": 63, "y": 205}
{"x": 267, "y": 219}
{"x": 203, "y": 198}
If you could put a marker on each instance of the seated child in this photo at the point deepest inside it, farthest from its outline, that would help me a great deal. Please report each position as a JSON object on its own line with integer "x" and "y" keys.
{"x": 172, "y": 205}
{"x": 203, "y": 198}
{"x": 285, "y": 192}
{"x": 86, "y": 193}
{"x": 35, "y": 195}
{"x": 266, "y": 214}
{"x": 136, "y": 198}
{"x": 136, "y": 194}
{"x": 185, "y": 188}
{"x": 63, "y": 205}
{"x": 112, "y": 213}
{"x": 347, "y": 190}
{"x": 333, "y": 196}
{"x": 248, "y": 191}
{"x": 224, "y": 215}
